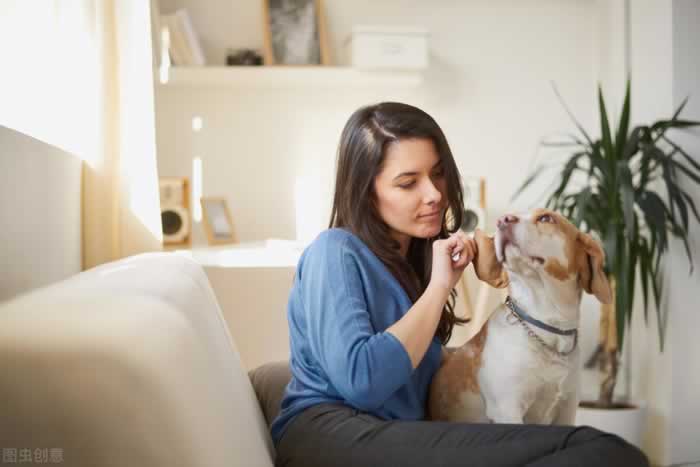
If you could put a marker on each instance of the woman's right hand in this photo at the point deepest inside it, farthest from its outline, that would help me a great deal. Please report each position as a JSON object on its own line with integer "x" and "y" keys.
{"x": 445, "y": 271}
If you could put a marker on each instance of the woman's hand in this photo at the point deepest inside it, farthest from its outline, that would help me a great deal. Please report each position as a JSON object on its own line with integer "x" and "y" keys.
{"x": 446, "y": 270}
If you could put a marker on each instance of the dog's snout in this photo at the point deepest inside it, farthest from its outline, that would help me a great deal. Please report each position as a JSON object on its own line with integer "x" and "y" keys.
{"x": 505, "y": 221}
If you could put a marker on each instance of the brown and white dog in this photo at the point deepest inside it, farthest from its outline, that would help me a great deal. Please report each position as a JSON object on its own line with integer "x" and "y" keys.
{"x": 522, "y": 365}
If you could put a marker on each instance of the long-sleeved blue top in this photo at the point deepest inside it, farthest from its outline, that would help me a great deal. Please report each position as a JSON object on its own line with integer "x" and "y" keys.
{"x": 342, "y": 301}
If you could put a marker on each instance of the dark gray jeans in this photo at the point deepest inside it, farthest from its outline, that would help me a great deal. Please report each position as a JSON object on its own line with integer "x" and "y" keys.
{"x": 329, "y": 435}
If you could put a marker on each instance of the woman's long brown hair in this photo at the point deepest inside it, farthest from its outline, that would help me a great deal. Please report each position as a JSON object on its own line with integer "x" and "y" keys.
{"x": 363, "y": 144}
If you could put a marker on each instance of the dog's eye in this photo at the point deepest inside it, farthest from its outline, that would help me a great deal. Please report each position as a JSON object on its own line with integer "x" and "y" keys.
{"x": 545, "y": 218}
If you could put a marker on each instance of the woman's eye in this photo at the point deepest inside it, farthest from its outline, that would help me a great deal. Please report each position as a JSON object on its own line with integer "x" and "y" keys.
{"x": 407, "y": 185}
{"x": 545, "y": 218}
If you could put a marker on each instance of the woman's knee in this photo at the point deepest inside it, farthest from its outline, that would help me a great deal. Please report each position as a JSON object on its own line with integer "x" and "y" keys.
{"x": 586, "y": 434}
{"x": 611, "y": 446}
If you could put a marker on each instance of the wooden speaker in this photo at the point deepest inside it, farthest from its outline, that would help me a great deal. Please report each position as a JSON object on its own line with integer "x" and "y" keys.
{"x": 175, "y": 211}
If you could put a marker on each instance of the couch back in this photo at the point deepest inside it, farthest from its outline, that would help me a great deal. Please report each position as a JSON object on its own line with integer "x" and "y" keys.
{"x": 40, "y": 213}
{"x": 129, "y": 363}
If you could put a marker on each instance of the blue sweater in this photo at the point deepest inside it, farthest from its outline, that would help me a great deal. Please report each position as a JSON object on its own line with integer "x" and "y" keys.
{"x": 342, "y": 301}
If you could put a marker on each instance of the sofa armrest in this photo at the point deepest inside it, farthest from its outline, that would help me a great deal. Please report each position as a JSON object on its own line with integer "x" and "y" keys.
{"x": 130, "y": 363}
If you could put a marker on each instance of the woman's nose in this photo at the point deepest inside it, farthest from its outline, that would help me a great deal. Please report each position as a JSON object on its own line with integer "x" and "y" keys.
{"x": 432, "y": 194}
{"x": 506, "y": 221}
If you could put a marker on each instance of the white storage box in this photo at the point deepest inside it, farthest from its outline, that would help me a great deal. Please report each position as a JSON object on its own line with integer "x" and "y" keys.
{"x": 379, "y": 47}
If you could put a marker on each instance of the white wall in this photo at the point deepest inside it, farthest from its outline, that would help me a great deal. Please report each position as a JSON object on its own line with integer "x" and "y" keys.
{"x": 488, "y": 87}
{"x": 666, "y": 68}
{"x": 612, "y": 52}
{"x": 39, "y": 213}
{"x": 683, "y": 301}
{"x": 651, "y": 68}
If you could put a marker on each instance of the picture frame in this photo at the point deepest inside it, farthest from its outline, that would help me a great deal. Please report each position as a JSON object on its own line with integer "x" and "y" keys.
{"x": 217, "y": 221}
{"x": 295, "y": 33}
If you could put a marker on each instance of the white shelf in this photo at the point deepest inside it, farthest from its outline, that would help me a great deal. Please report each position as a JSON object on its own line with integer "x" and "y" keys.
{"x": 271, "y": 253}
{"x": 288, "y": 76}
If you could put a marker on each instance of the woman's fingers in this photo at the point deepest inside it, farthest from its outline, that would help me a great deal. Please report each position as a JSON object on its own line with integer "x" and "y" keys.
{"x": 451, "y": 247}
{"x": 459, "y": 246}
{"x": 455, "y": 245}
{"x": 450, "y": 257}
{"x": 464, "y": 250}
{"x": 456, "y": 251}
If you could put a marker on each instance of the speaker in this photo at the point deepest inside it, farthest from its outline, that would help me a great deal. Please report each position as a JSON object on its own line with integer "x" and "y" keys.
{"x": 474, "y": 214}
{"x": 175, "y": 211}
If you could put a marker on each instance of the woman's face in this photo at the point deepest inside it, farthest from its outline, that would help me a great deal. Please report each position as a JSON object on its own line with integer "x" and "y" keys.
{"x": 411, "y": 190}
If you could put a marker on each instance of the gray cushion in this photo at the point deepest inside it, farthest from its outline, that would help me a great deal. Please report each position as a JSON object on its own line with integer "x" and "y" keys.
{"x": 269, "y": 381}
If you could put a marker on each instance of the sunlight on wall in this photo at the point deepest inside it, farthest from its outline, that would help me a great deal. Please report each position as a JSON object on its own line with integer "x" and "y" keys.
{"x": 48, "y": 84}
{"x": 197, "y": 125}
{"x": 164, "y": 69}
{"x": 197, "y": 189}
{"x": 136, "y": 128}
{"x": 78, "y": 75}
{"x": 307, "y": 207}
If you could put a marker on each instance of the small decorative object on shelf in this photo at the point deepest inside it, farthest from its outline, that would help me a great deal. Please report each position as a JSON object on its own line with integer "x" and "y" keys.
{"x": 387, "y": 47}
{"x": 295, "y": 33}
{"x": 243, "y": 57}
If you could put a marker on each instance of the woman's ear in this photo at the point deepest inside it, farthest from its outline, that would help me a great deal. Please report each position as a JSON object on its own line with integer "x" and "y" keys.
{"x": 591, "y": 275}
{"x": 486, "y": 265}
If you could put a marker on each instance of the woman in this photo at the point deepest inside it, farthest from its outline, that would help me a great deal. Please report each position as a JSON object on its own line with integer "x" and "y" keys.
{"x": 372, "y": 306}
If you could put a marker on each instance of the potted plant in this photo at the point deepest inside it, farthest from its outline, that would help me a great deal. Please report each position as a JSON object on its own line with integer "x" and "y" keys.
{"x": 607, "y": 186}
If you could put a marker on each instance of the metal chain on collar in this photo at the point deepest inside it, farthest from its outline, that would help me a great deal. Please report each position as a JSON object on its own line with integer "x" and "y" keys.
{"x": 534, "y": 335}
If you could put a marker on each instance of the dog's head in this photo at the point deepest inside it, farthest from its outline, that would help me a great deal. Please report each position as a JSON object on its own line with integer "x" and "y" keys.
{"x": 544, "y": 244}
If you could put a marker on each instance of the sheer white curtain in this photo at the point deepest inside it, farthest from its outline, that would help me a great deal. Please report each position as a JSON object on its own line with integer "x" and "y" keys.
{"x": 78, "y": 74}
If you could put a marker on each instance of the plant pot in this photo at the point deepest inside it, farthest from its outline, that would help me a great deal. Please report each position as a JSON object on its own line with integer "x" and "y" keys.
{"x": 627, "y": 420}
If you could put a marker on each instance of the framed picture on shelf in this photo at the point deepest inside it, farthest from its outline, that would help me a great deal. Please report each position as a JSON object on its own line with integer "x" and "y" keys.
{"x": 217, "y": 221}
{"x": 294, "y": 33}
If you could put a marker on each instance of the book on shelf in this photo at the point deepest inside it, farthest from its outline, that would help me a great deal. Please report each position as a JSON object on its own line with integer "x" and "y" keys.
{"x": 185, "y": 48}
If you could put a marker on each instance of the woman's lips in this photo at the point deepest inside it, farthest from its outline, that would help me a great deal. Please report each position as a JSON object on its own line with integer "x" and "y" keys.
{"x": 430, "y": 217}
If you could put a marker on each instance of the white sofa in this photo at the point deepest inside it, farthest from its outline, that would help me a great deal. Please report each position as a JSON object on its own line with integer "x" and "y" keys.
{"x": 127, "y": 364}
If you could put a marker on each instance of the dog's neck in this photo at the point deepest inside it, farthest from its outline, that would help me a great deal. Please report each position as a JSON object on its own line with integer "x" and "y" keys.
{"x": 553, "y": 302}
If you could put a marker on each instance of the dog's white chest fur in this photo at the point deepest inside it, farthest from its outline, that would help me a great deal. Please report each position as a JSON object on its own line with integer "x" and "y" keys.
{"x": 521, "y": 380}
{"x": 517, "y": 381}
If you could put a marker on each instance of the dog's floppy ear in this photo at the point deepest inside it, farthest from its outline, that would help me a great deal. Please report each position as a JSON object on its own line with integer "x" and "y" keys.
{"x": 486, "y": 265}
{"x": 591, "y": 275}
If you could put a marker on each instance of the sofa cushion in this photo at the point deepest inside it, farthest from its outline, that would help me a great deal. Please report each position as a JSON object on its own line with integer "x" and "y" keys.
{"x": 130, "y": 363}
{"x": 269, "y": 381}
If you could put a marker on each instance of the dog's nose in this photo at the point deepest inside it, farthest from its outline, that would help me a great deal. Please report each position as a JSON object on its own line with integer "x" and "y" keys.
{"x": 505, "y": 221}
